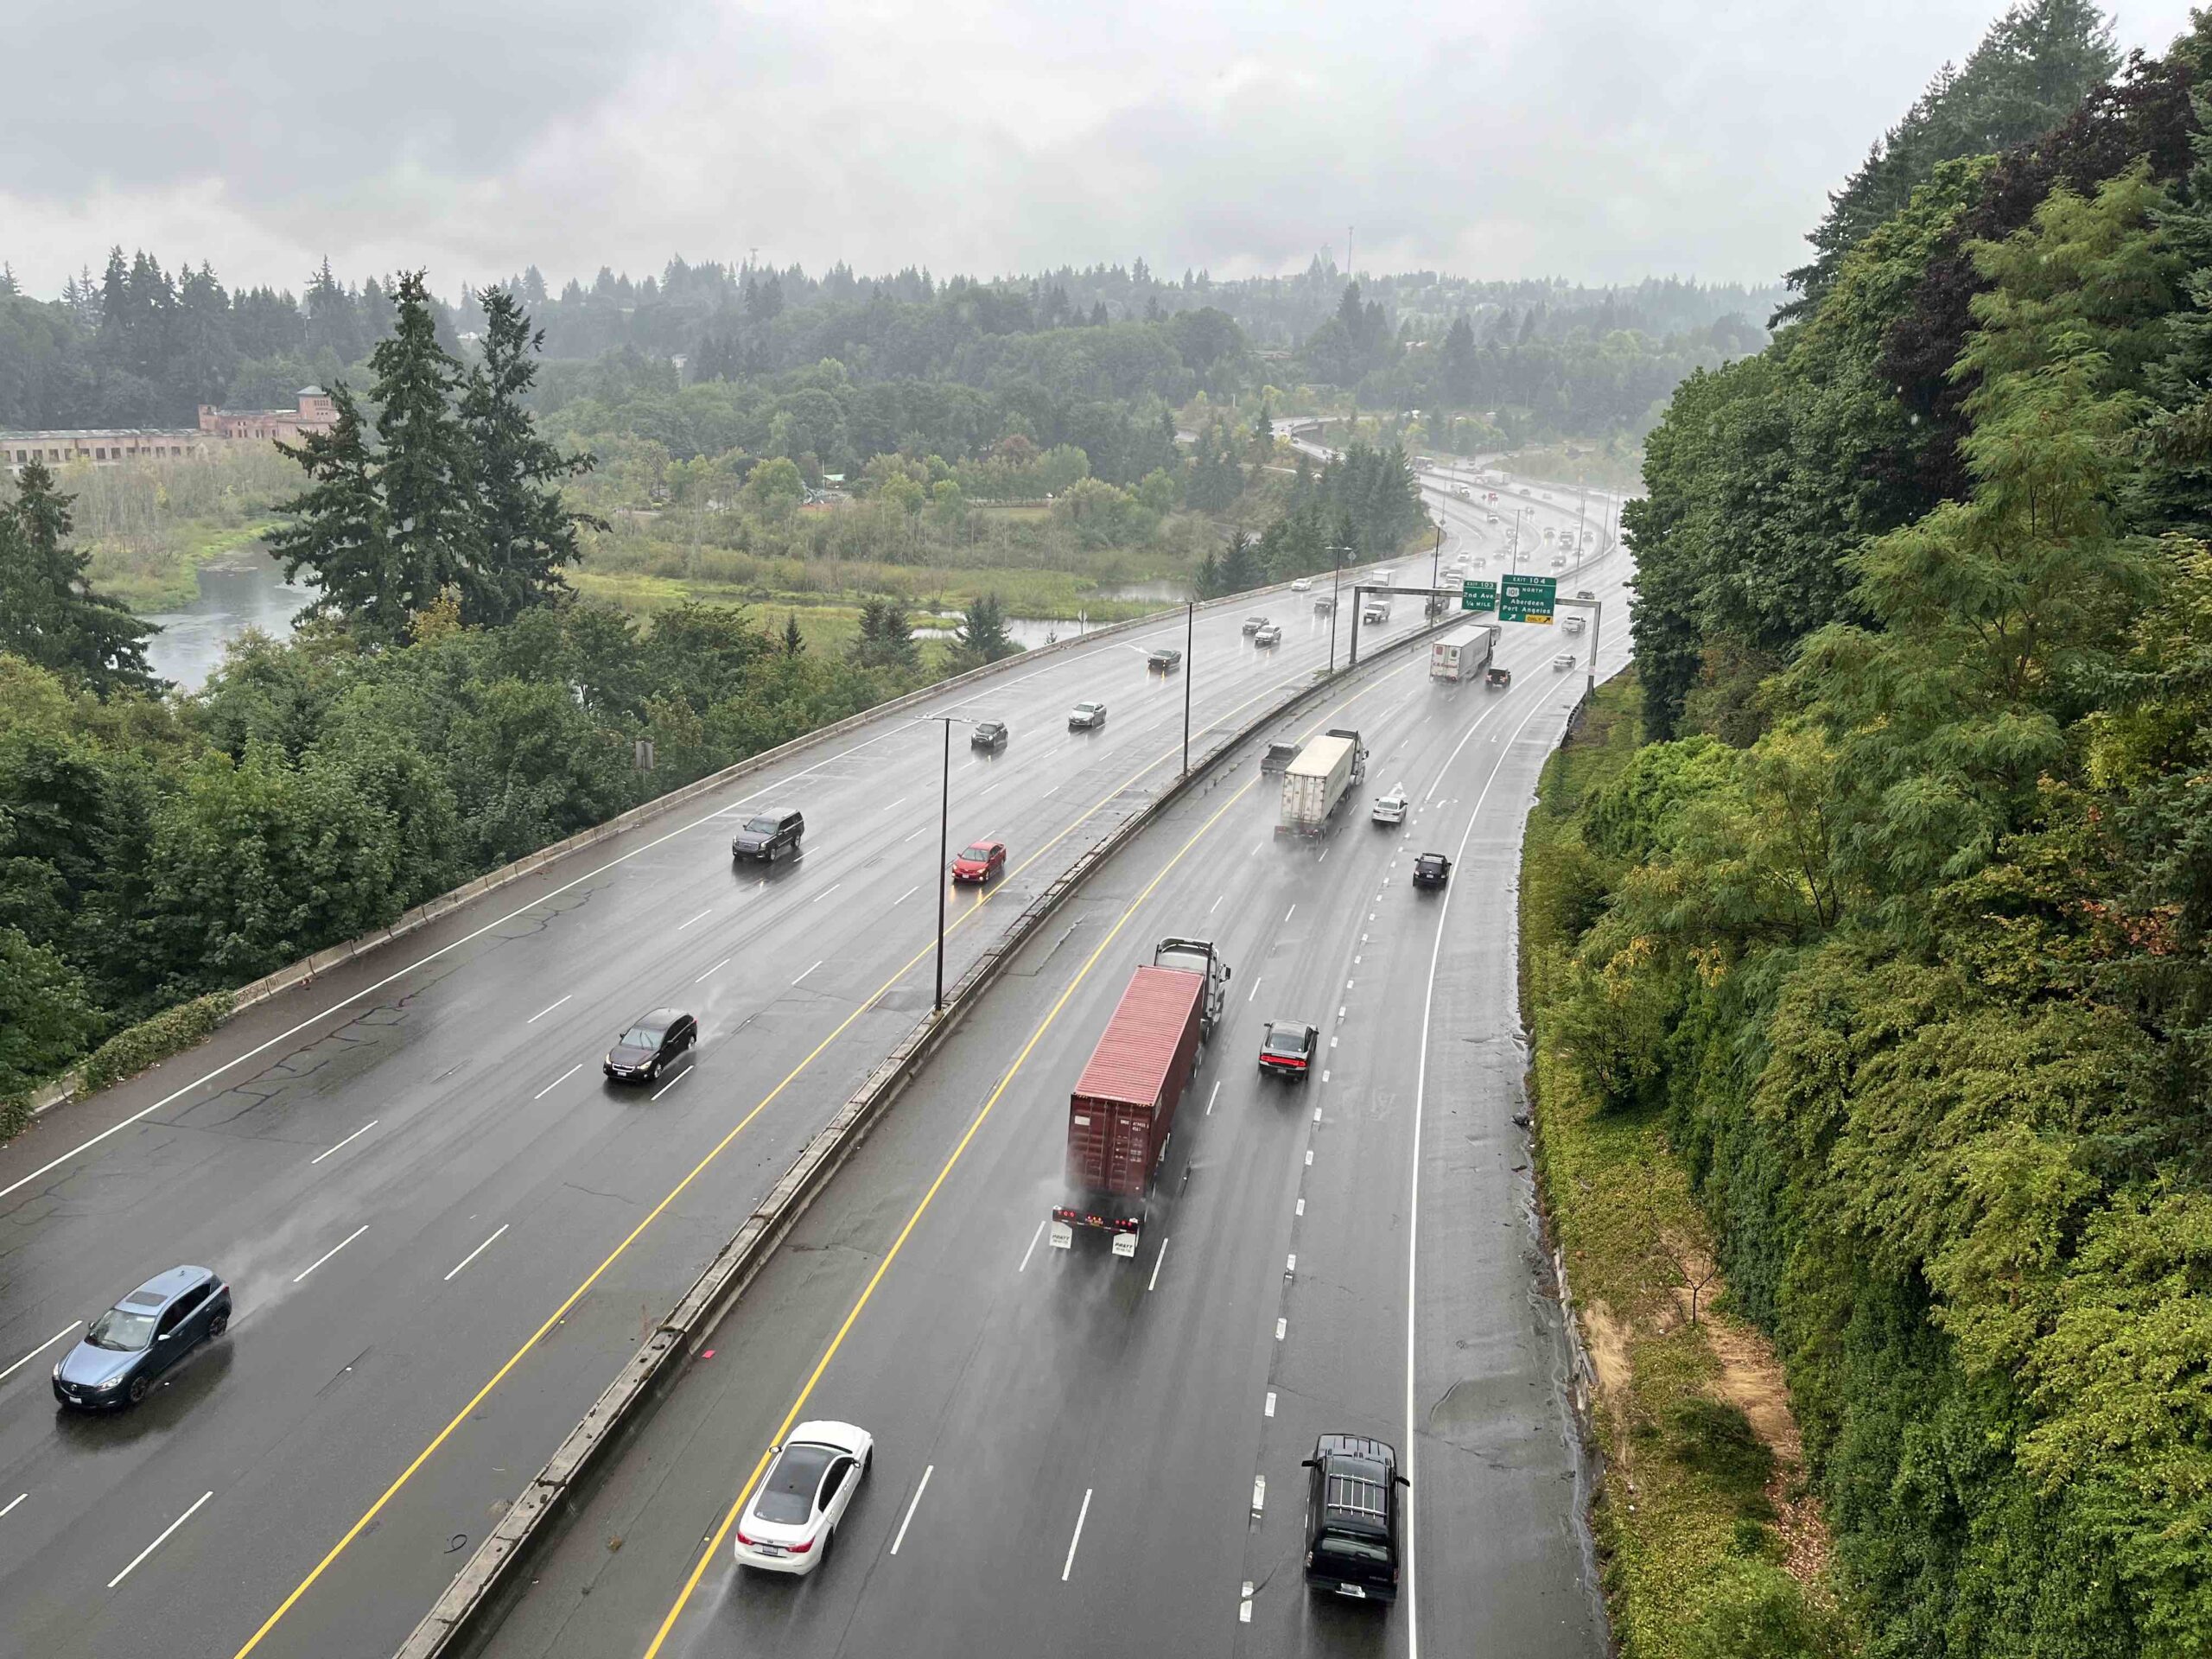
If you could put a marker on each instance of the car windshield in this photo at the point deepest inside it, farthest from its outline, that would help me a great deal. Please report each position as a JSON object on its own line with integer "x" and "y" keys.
{"x": 123, "y": 1332}
{"x": 978, "y": 853}
{"x": 760, "y": 827}
{"x": 787, "y": 1496}
{"x": 643, "y": 1037}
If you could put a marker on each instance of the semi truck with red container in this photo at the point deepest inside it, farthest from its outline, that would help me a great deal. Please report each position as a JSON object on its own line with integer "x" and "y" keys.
{"x": 1122, "y": 1113}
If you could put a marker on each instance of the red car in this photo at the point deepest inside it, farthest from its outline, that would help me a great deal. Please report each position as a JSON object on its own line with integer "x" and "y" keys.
{"x": 980, "y": 862}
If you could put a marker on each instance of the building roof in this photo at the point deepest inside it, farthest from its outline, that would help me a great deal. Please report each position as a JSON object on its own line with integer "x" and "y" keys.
{"x": 75, "y": 433}
{"x": 311, "y": 391}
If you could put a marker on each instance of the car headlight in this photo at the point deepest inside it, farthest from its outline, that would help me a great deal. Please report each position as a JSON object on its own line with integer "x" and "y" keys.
{"x": 115, "y": 1382}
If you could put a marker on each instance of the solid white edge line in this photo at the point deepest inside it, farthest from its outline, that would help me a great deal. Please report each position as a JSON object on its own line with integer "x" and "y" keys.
{"x": 478, "y": 1250}
{"x": 922, "y": 1487}
{"x": 558, "y": 1081}
{"x": 334, "y": 1250}
{"x": 1413, "y": 1201}
{"x": 1032, "y": 1250}
{"x": 1164, "y": 1241}
{"x": 547, "y": 1009}
{"x": 347, "y": 1142}
{"x": 40, "y": 1349}
{"x": 19, "y": 1498}
{"x": 157, "y": 1542}
{"x": 1069, "y": 1566}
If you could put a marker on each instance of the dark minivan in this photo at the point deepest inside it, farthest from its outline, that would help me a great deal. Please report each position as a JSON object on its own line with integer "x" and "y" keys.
{"x": 768, "y": 836}
{"x": 1352, "y": 1518}
{"x": 128, "y": 1347}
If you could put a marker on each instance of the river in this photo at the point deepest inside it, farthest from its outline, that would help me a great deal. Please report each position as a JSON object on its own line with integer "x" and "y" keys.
{"x": 243, "y": 590}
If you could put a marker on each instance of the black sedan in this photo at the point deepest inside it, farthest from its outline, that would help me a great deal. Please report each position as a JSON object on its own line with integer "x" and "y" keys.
{"x": 641, "y": 1053}
{"x": 129, "y": 1347}
{"x": 1432, "y": 870}
{"x": 1290, "y": 1049}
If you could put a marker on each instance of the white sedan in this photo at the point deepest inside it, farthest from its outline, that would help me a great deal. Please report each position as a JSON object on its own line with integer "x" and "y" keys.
{"x": 1300, "y": 585}
{"x": 1391, "y": 808}
{"x": 791, "y": 1521}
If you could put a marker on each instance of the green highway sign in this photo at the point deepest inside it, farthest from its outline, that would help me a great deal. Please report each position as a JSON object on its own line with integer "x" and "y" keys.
{"x": 1526, "y": 599}
{"x": 1478, "y": 596}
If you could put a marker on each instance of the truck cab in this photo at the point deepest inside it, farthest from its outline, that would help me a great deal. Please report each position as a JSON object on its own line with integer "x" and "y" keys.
{"x": 1199, "y": 956}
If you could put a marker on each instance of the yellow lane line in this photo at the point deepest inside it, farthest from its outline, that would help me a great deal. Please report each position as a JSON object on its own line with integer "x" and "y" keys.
{"x": 575, "y": 1295}
{"x": 721, "y": 1533}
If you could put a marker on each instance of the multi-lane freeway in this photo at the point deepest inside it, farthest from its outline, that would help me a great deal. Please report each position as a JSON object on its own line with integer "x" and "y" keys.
{"x": 445, "y": 1232}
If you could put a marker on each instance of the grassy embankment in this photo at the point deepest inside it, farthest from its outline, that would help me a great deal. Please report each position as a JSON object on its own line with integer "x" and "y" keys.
{"x": 150, "y": 525}
{"x": 1704, "y": 1510}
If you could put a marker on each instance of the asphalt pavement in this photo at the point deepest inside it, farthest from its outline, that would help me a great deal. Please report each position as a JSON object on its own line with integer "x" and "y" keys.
{"x": 443, "y": 1229}
{"x": 1085, "y": 1455}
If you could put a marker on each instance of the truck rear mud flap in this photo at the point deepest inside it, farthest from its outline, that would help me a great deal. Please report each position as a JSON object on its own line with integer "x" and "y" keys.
{"x": 1125, "y": 1231}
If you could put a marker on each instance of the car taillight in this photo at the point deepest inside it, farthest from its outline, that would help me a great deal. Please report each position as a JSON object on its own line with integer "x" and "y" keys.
{"x": 742, "y": 1539}
{"x": 801, "y": 1549}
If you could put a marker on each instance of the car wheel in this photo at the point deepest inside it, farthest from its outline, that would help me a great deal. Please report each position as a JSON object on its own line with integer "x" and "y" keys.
{"x": 219, "y": 1323}
{"x": 652, "y": 1073}
{"x": 141, "y": 1386}
{"x": 868, "y": 1460}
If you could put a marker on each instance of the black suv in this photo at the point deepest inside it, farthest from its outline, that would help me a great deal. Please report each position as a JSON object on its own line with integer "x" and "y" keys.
{"x": 768, "y": 836}
{"x": 1288, "y": 1051}
{"x": 1432, "y": 870}
{"x": 651, "y": 1046}
{"x": 989, "y": 735}
{"x": 1163, "y": 661}
{"x": 1353, "y": 1519}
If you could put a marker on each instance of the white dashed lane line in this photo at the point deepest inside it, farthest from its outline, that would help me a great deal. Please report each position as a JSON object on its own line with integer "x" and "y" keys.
{"x": 311, "y": 1267}
{"x": 342, "y": 1145}
{"x": 40, "y": 1349}
{"x": 478, "y": 1250}
{"x": 158, "y": 1543}
{"x": 547, "y": 1009}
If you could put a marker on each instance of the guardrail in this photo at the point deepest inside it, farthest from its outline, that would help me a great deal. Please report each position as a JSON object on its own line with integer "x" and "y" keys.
{"x": 479, "y": 1596}
{"x": 304, "y": 971}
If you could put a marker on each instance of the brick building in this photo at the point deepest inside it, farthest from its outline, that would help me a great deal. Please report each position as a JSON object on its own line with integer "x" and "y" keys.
{"x": 109, "y": 446}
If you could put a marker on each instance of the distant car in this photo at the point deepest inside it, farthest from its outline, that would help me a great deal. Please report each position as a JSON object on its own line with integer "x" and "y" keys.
{"x": 649, "y": 1046}
{"x": 1498, "y": 679}
{"x": 1570, "y": 624}
{"x": 1391, "y": 808}
{"x": 989, "y": 735}
{"x": 1432, "y": 870}
{"x": 1563, "y": 662}
{"x": 1559, "y": 562}
{"x": 1164, "y": 661}
{"x": 1301, "y": 585}
{"x": 1253, "y": 625}
{"x": 1288, "y": 1049}
{"x": 790, "y": 1523}
{"x": 1493, "y": 517}
{"x": 1086, "y": 716}
{"x": 1277, "y": 757}
{"x": 1324, "y": 603}
{"x": 1584, "y": 593}
{"x": 1270, "y": 635}
{"x": 980, "y": 862}
{"x": 127, "y": 1348}
{"x": 1353, "y": 1519}
{"x": 767, "y": 836}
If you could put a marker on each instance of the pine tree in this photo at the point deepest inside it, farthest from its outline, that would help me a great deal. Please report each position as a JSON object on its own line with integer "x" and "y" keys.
{"x": 794, "y": 642}
{"x": 49, "y": 613}
{"x": 337, "y": 530}
{"x": 424, "y": 469}
{"x": 982, "y": 636}
{"x": 523, "y": 537}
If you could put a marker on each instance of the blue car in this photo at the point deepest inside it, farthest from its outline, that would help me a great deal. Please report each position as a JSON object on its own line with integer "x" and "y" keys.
{"x": 129, "y": 1347}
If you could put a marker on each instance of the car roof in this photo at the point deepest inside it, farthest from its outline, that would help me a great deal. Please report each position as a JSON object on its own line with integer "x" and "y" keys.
{"x": 164, "y": 1288}
{"x": 1274, "y": 1025}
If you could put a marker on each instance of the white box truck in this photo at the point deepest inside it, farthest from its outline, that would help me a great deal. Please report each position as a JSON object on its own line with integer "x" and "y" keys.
{"x": 1463, "y": 653}
{"x": 1314, "y": 783}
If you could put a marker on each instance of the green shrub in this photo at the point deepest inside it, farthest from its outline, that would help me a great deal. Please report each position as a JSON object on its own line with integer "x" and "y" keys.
{"x": 170, "y": 1032}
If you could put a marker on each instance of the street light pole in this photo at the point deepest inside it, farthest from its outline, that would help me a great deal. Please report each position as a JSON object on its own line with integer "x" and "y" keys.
{"x": 944, "y": 829}
{"x": 1190, "y": 635}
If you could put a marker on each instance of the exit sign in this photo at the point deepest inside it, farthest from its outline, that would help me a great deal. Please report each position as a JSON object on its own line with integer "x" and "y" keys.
{"x": 1478, "y": 596}
{"x": 1526, "y": 599}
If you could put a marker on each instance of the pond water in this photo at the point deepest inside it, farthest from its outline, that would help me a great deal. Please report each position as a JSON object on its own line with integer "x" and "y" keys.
{"x": 245, "y": 590}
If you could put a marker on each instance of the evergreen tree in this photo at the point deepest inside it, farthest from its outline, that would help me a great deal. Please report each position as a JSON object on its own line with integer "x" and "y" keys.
{"x": 794, "y": 642}
{"x": 49, "y": 613}
{"x": 886, "y": 638}
{"x": 425, "y": 468}
{"x": 340, "y": 531}
{"x": 1240, "y": 569}
{"x": 982, "y": 636}
{"x": 523, "y": 537}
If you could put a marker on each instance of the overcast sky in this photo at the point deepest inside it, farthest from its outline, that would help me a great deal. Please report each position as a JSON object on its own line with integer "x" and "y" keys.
{"x": 1598, "y": 139}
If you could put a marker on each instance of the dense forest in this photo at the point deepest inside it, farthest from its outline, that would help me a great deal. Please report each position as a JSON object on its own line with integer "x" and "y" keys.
{"x": 951, "y": 366}
{"x": 1902, "y": 928}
